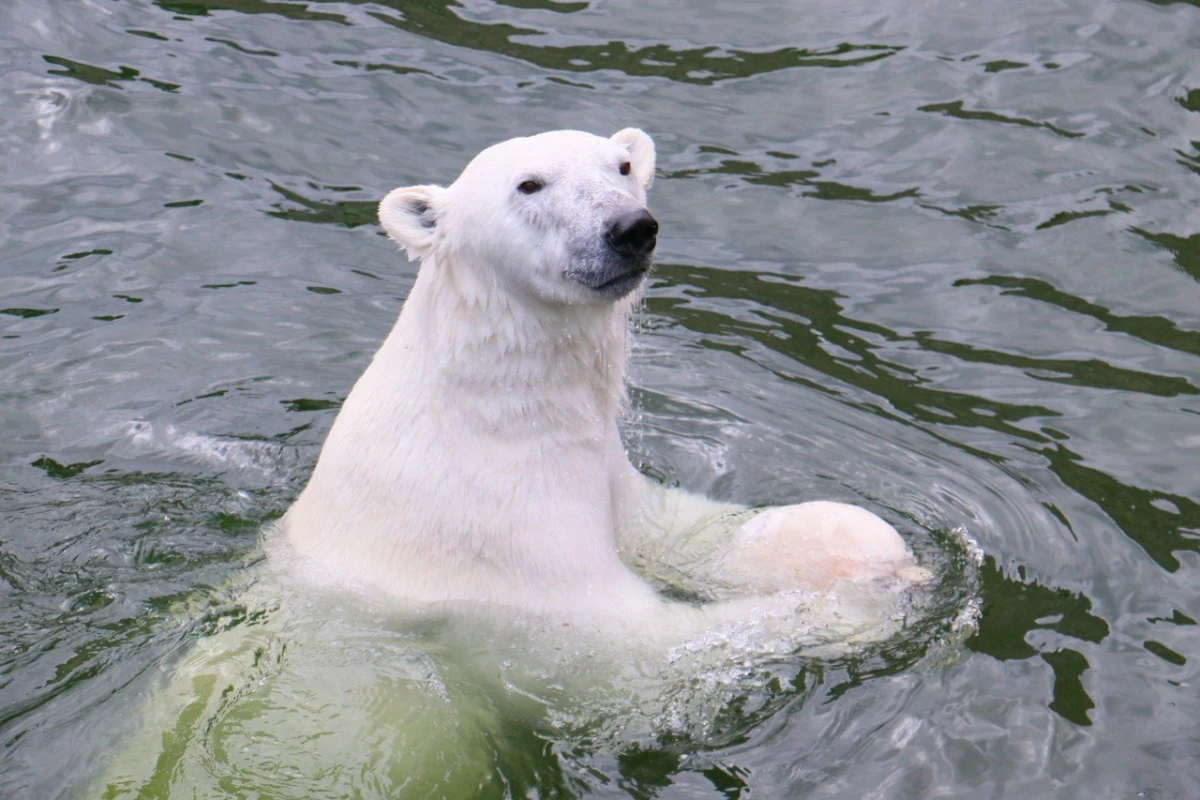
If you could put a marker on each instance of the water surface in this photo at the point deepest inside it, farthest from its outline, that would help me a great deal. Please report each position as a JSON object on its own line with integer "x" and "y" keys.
{"x": 939, "y": 259}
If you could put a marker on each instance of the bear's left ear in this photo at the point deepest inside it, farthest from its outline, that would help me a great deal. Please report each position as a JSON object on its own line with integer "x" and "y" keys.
{"x": 410, "y": 217}
{"x": 641, "y": 152}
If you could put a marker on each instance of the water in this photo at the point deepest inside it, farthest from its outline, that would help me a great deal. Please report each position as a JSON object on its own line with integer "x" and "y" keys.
{"x": 938, "y": 259}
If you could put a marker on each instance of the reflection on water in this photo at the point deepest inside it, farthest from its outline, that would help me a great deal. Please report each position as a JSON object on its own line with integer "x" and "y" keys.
{"x": 937, "y": 259}
{"x": 1013, "y": 607}
{"x": 443, "y": 22}
{"x": 807, "y": 325}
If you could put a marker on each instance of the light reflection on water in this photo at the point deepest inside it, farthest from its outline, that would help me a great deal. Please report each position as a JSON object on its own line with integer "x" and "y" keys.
{"x": 938, "y": 259}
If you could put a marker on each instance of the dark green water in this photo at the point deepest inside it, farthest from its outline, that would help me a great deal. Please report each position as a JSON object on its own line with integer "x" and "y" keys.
{"x": 940, "y": 258}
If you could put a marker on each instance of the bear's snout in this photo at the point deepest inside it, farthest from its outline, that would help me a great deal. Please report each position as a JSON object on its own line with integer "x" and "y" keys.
{"x": 633, "y": 233}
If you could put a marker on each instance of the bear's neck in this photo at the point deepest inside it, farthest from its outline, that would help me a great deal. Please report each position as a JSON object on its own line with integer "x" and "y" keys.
{"x": 516, "y": 366}
{"x": 478, "y": 456}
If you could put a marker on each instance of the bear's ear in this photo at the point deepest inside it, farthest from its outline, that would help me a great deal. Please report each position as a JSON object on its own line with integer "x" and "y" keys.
{"x": 410, "y": 217}
{"x": 641, "y": 151}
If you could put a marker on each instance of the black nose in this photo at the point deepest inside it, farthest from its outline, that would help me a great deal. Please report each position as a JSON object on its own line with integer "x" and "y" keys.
{"x": 632, "y": 234}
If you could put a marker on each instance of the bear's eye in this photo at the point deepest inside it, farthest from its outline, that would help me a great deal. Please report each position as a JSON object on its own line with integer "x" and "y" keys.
{"x": 625, "y": 167}
{"x": 530, "y": 187}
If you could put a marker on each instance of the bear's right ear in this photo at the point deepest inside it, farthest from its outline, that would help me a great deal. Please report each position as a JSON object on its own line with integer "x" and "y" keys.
{"x": 641, "y": 152}
{"x": 410, "y": 217}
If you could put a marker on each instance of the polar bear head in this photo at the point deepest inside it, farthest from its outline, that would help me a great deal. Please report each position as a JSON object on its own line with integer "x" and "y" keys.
{"x": 559, "y": 217}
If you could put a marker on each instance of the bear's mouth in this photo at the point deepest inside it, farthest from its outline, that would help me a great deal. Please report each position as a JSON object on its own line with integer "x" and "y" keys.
{"x": 622, "y": 285}
{"x": 617, "y": 280}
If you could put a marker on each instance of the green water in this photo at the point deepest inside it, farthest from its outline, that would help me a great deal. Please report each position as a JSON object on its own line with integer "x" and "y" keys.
{"x": 940, "y": 259}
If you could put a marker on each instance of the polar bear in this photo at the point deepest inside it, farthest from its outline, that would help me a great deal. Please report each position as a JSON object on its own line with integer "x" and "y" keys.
{"x": 478, "y": 458}
{"x": 475, "y": 487}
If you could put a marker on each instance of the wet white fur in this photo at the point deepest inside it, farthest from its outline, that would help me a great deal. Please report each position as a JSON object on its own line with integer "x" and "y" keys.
{"x": 478, "y": 457}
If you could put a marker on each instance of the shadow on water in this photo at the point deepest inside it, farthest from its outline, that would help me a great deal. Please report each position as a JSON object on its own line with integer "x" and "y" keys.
{"x": 801, "y": 323}
{"x": 700, "y": 65}
{"x": 1154, "y": 330}
{"x": 1184, "y": 249}
{"x": 1013, "y": 607}
{"x": 955, "y": 109}
{"x": 1092, "y": 373}
{"x": 754, "y": 174}
{"x": 646, "y": 772}
{"x": 293, "y": 11}
{"x": 348, "y": 213}
{"x": 811, "y": 183}
{"x": 439, "y": 20}
{"x": 1161, "y": 524}
{"x": 98, "y": 76}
